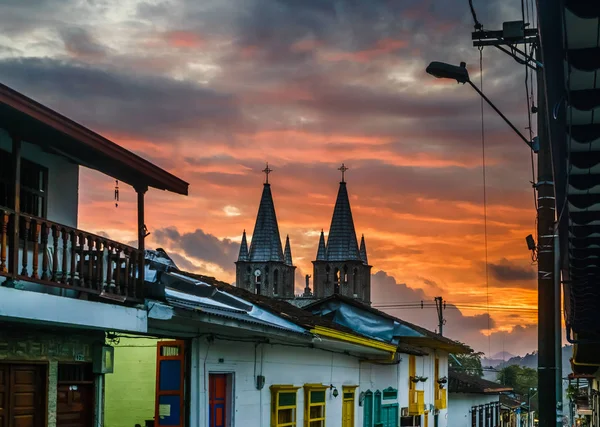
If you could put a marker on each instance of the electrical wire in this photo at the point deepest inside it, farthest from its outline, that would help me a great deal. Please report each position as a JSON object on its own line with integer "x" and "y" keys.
{"x": 529, "y": 97}
{"x": 523, "y": 310}
{"x": 485, "y": 233}
{"x": 451, "y": 305}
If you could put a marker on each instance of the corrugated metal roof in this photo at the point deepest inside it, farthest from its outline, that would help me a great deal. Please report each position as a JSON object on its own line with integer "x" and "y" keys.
{"x": 581, "y": 165}
{"x": 240, "y": 316}
{"x": 459, "y": 382}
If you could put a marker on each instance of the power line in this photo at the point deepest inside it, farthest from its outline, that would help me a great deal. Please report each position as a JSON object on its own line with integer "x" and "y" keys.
{"x": 485, "y": 232}
{"x": 456, "y": 306}
{"x": 511, "y": 310}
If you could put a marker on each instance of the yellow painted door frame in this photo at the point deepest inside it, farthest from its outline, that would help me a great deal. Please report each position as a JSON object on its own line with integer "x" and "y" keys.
{"x": 348, "y": 396}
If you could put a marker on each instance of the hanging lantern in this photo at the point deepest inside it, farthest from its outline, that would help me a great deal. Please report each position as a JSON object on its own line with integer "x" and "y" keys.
{"x": 116, "y": 193}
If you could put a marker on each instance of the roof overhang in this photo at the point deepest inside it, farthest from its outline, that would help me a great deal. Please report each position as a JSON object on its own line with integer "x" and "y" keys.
{"x": 571, "y": 55}
{"x": 445, "y": 345}
{"x": 168, "y": 320}
{"x": 585, "y": 360}
{"x": 355, "y": 340}
{"x": 37, "y": 124}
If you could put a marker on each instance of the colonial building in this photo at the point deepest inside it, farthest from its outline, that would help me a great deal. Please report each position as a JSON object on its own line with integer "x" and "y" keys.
{"x": 256, "y": 361}
{"x": 61, "y": 287}
{"x": 341, "y": 266}
{"x": 266, "y": 269}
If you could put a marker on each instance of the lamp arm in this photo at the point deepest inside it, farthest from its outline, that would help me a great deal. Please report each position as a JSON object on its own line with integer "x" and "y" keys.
{"x": 499, "y": 113}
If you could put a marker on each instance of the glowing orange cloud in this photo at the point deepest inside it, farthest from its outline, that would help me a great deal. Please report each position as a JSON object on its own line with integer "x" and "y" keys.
{"x": 382, "y": 47}
{"x": 184, "y": 39}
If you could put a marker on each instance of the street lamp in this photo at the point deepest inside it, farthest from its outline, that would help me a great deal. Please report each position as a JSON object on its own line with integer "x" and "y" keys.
{"x": 441, "y": 70}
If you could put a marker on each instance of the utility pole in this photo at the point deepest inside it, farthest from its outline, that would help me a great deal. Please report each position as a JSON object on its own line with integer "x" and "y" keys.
{"x": 547, "y": 325}
{"x": 440, "y": 305}
{"x": 550, "y": 392}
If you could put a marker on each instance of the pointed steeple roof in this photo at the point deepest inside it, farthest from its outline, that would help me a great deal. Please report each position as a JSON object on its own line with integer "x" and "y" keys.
{"x": 341, "y": 242}
{"x": 266, "y": 243}
{"x": 243, "y": 256}
{"x": 322, "y": 251}
{"x": 363, "y": 250}
{"x": 287, "y": 255}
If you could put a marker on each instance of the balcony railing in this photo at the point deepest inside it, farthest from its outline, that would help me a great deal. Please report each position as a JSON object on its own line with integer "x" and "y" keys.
{"x": 59, "y": 256}
{"x": 440, "y": 399}
{"x": 416, "y": 402}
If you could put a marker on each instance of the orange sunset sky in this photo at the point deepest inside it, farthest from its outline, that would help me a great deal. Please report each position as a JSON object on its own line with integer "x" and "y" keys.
{"x": 211, "y": 90}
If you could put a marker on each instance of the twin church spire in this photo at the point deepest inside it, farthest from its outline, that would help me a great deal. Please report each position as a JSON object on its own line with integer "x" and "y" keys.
{"x": 340, "y": 266}
{"x": 265, "y": 268}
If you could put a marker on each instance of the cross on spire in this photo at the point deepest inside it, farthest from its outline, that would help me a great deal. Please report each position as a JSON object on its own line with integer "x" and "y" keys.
{"x": 267, "y": 171}
{"x": 343, "y": 169}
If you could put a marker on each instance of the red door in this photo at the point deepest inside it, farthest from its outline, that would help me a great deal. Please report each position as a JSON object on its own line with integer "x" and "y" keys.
{"x": 217, "y": 400}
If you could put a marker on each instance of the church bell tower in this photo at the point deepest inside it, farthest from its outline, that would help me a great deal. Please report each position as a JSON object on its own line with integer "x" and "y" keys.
{"x": 341, "y": 266}
{"x": 265, "y": 268}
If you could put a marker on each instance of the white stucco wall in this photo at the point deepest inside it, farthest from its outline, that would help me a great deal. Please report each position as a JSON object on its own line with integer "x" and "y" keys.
{"x": 297, "y": 366}
{"x": 63, "y": 180}
{"x": 279, "y": 365}
{"x": 461, "y": 403}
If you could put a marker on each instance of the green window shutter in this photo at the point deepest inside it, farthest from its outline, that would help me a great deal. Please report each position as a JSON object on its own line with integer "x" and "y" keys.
{"x": 389, "y": 416}
{"x": 390, "y": 393}
{"x": 368, "y": 410}
{"x": 377, "y": 406}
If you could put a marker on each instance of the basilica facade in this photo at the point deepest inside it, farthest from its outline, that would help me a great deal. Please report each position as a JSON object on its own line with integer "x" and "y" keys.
{"x": 340, "y": 266}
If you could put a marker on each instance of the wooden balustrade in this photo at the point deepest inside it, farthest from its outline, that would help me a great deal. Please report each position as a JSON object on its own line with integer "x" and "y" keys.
{"x": 56, "y": 255}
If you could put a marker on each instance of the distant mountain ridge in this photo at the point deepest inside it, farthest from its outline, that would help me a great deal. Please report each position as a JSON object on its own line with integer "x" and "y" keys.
{"x": 497, "y": 359}
{"x": 530, "y": 360}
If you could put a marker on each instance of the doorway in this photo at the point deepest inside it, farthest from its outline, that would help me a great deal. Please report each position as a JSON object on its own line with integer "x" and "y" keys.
{"x": 348, "y": 406}
{"x": 389, "y": 415}
{"x": 75, "y": 395}
{"x": 23, "y": 395}
{"x": 220, "y": 388}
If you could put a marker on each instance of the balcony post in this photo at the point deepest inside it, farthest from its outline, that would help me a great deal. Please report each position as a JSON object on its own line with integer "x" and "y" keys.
{"x": 16, "y": 163}
{"x": 141, "y": 191}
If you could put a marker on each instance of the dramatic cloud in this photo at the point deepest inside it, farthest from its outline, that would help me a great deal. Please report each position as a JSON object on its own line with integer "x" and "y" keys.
{"x": 80, "y": 43}
{"x": 472, "y": 329}
{"x": 212, "y": 90}
{"x": 505, "y": 271}
{"x": 146, "y": 106}
{"x": 200, "y": 245}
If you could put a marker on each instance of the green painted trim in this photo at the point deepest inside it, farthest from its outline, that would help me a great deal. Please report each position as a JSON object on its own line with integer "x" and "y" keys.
{"x": 388, "y": 391}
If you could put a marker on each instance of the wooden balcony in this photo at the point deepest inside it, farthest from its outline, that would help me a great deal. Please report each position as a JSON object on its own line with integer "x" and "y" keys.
{"x": 416, "y": 402}
{"x": 440, "y": 399}
{"x": 54, "y": 255}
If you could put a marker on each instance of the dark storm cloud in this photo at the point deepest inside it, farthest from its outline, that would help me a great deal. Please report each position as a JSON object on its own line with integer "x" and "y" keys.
{"x": 199, "y": 245}
{"x": 365, "y": 102}
{"x": 151, "y": 107}
{"x": 80, "y": 43}
{"x": 505, "y": 271}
